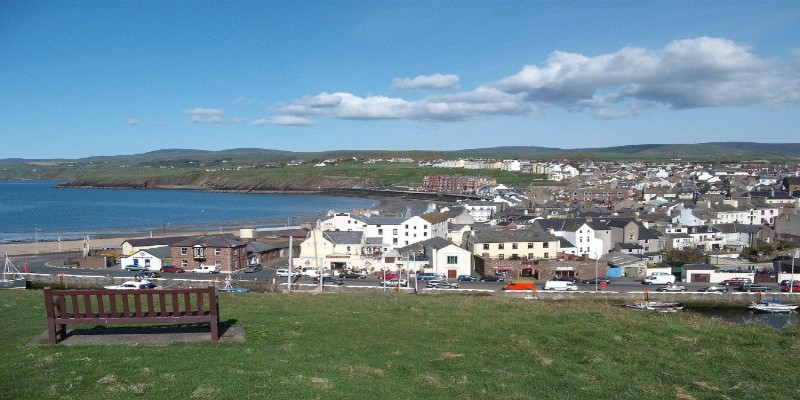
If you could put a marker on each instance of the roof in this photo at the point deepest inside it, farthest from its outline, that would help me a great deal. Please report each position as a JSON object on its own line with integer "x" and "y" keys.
{"x": 158, "y": 252}
{"x": 434, "y": 217}
{"x": 220, "y": 241}
{"x": 517, "y": 235}
{"x": 343, "y": 237}
{"x": 155, "y": 241}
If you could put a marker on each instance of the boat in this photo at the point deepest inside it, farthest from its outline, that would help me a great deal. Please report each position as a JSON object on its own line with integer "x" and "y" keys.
{"x": 772, "y": 307}
{"x": 133, "y": 285}
{"x": 232, "y": 289}
{"x": 657, "y": 306}
{"x": 12, "y": 278}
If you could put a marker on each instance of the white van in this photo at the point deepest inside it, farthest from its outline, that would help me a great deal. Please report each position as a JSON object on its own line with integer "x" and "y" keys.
{"x": 659, "y": 279}
{"x": 560, "y": 285}
{"x": 206, "y": 269}
{"x": 283, "y": 273}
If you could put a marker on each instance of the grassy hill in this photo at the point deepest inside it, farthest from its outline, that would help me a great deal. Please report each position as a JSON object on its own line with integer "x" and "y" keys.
{"x": 397, "y": 346}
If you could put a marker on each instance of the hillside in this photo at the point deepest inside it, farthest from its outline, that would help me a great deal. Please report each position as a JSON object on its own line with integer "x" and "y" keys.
{"x": 250, "y": 169}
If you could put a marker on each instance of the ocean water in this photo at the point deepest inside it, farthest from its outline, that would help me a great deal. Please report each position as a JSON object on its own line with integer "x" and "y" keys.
{"x": 39, "y": 210}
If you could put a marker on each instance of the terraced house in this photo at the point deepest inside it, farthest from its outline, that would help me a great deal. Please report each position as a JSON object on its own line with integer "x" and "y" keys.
{"x": 520, "y": 244}
{"x": 225, "y": 252}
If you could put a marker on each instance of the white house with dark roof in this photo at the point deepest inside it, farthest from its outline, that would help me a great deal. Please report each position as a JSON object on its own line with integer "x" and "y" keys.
{"x": 152, "y": 258}
{"x": 439, "y": 256}
{"x": 393, "y": 232}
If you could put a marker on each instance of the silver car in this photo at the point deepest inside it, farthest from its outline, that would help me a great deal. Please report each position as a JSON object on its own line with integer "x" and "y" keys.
{"x": 439, "y": 283}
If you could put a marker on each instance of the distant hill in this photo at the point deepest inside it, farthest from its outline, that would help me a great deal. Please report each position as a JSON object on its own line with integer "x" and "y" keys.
{"x": 712, "y": 151}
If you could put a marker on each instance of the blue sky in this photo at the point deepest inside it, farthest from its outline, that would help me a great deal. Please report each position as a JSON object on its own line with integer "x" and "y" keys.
{"x": 90, "y": 78}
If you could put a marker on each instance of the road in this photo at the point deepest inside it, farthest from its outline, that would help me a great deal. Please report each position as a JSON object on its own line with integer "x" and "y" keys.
{"x": 53, "y": 264}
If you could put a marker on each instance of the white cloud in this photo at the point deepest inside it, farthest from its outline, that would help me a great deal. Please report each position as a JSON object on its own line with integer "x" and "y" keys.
{"x": 436, "y": 81}
{"x": 204, "y": 111}
{"x": 133, "y": 121}
{"x": 241, "y": 101}
{"x": 284, "y": 120}
{"x": 690, "y": 73}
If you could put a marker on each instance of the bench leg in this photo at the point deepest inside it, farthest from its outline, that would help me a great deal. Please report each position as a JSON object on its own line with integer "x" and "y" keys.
{"x": 52, "y": 334}
{"x": 214, "y": 331}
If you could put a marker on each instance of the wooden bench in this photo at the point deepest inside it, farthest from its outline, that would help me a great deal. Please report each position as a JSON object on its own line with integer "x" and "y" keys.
{"x": 110, "y": 306}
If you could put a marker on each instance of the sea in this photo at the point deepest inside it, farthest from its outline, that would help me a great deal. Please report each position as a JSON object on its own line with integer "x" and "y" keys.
{"x": 42, "y": 211}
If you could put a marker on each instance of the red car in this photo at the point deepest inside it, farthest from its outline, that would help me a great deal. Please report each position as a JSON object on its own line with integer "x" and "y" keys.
{"x": 736, "y": 281}
{"x": 794, "y": 289}
{"x": 169, "y": 268}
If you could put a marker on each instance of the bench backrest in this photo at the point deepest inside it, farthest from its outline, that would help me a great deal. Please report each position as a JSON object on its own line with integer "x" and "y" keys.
{"x": 130, "y": 304}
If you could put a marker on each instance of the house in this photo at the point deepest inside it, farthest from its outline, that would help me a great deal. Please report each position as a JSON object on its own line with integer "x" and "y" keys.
{"x": 589, "y": 236}
{"x": 442, "y": 256}
{"x": 152, "y": 258}
{"x": 132, "y": 246}
{"x": 225, "y": 251}
{"x": 329, "y": 250}
{"x": 530, "y": 244}
{"x": 393, "y": 232}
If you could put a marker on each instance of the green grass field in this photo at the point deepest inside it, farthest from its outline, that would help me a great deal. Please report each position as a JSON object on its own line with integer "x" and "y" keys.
{"x": 397, "y": 346}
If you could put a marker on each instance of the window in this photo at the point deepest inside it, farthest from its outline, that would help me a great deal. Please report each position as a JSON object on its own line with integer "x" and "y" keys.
{"x": 425, "y": 234}
{"x": 184, "y": 251}
{"x": 147, "y": 263}
{"x": 394, "y": 240}
{"x": 218, "y": 263}
{"x": 501, "y": 256}
{"x": 199, "y": 252}
{"x": 424, "y": 226}
{"x": 406, "y": 226}
{"x": 184, "y": 264}
{"x": 501, "y": 246}
{"x": 514, "y": 246}
{"x": 452, "y": 259}
{"x": 394, "y": 232}
{"x": 545, "y": 244}
{"x": 217, "y": 252}
{"x": 486, "y": 246}
{"x": 380, "y": 231}
{"x": 530, "y": 245}
{"x": 136, "y": 262}
{"x": 530, "y": 256}
{"x": 546, "y": 255}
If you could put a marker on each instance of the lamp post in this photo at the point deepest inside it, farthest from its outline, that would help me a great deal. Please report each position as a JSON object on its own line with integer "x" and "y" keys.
{"x": 36, "y": 235}
{"x": 596, "y": 260}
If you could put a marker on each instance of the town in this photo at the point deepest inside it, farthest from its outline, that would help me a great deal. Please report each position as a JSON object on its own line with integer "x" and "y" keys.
{"x": 633, "y": 219}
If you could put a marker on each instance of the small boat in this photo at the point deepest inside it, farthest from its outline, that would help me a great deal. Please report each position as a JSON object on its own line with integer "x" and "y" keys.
{"x": 133, "y": 284}
{"x": 772, "y": 307}
{"x": 232, "y": 289}
{"x": 12, "y": 278}
{"x": 657, "y": 306}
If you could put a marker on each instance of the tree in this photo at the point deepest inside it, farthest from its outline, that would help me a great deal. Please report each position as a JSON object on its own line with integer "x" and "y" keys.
{"x": 677, "y": 258}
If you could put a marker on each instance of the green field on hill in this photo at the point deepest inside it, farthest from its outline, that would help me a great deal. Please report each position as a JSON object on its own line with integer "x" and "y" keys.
{"x": 397, "y": 346}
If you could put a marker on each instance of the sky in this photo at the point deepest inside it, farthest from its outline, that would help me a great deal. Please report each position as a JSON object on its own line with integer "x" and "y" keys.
{"x": 91, "y": 78}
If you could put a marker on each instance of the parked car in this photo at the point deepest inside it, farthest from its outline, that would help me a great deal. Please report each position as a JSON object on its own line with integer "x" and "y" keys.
{"x": 172, "y": 269}
{"x": 490, "y": 278}
{"x": 715, "y": 288}
{"x": 736, "y": 281}
{"x": 394, "y": 282}
{"x": 524, "y": 285}
{"x": 132, "y": 285}
{"x": 672, "y": 288}
{"x": 148, "y": 275}
{"x": 790, "y": 289}
{"x": 597, "y": 280}
{"x": 388, "y": 276}
{"x": 206, "y": 269}
{"x": 466, "y": 278}
{"x": 754, "y": 287}
{"x": 565, "y": 278}
{"x": 786, "y": 282}
{"x": 353, "y": 275}
{"x": 329, "y": 280}
{"x": 428, "y": 276}
{"x": 252, "y": 268}
{"x": 283, "y": 273}
{"x": 136, "y": 267}
{"x": 438, "y": 283}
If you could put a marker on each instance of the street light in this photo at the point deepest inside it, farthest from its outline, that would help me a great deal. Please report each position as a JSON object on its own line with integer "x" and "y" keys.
{"x": 596, "y": 260}
{"x": 36, "y": 235}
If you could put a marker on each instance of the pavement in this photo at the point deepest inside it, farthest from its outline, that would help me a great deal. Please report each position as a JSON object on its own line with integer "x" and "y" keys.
{"x": 152, "y": 335}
